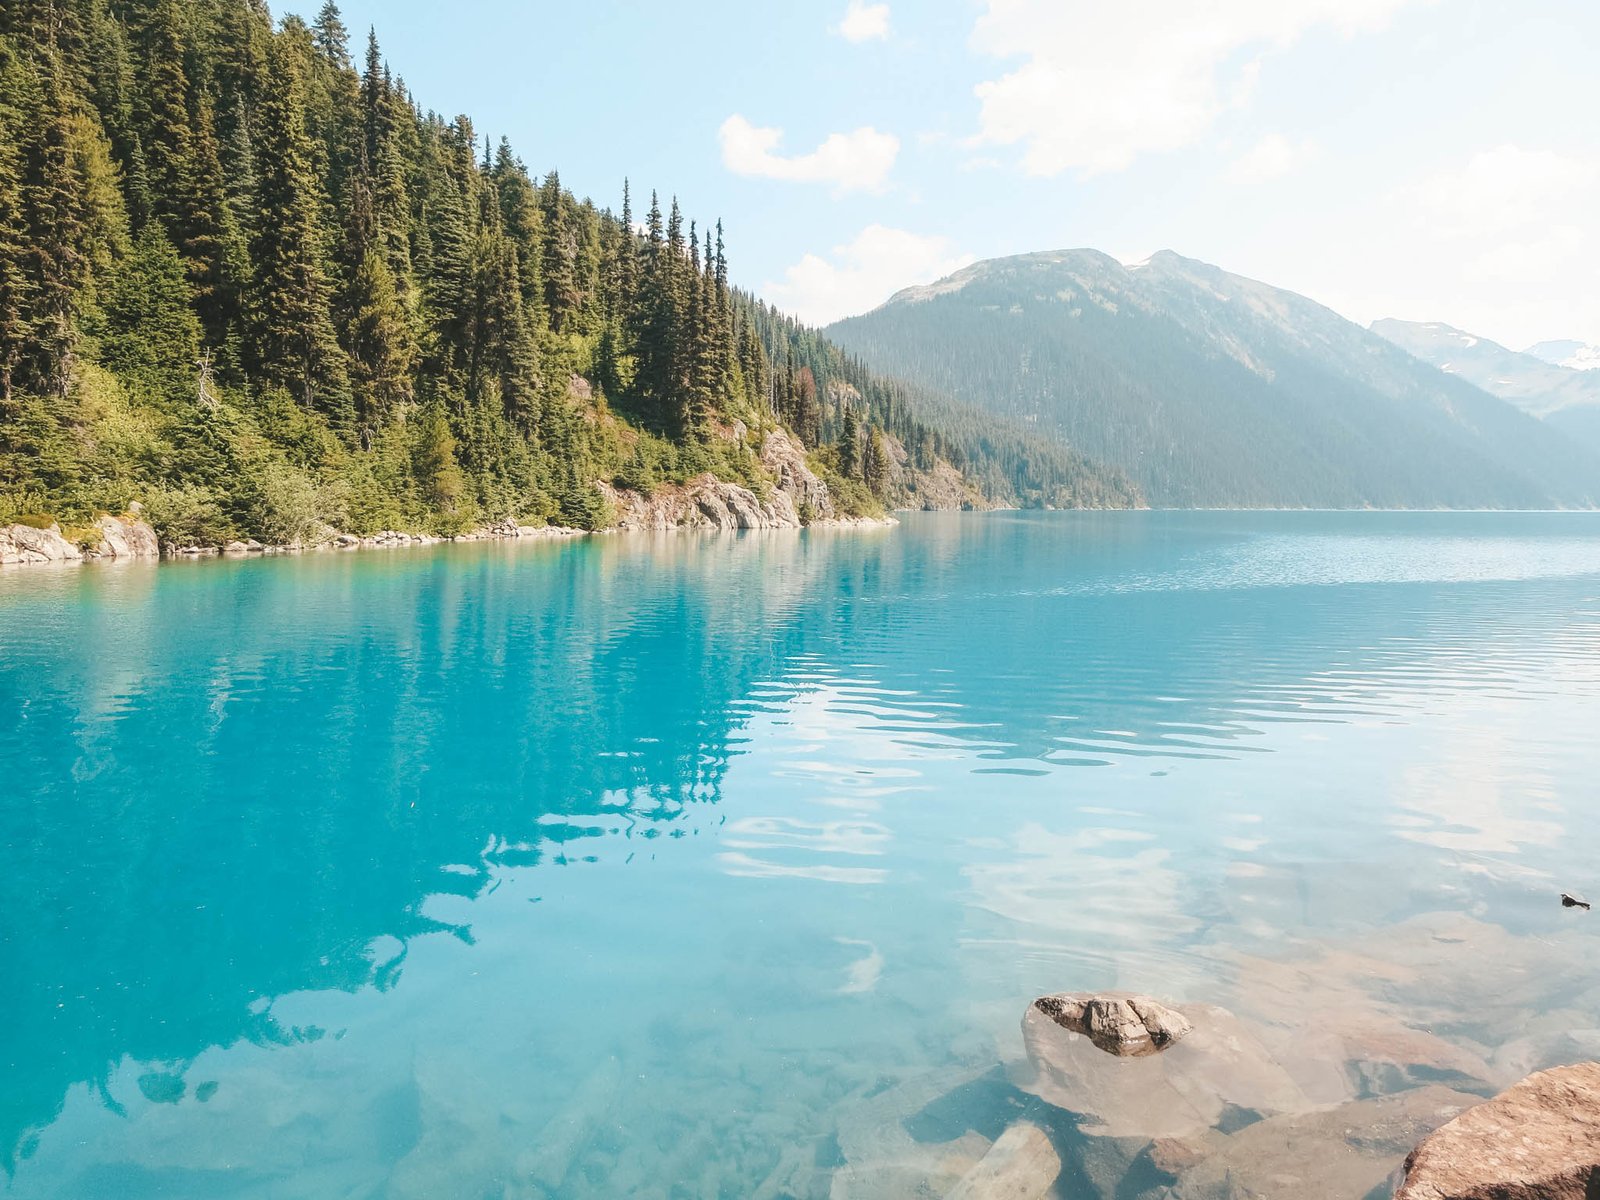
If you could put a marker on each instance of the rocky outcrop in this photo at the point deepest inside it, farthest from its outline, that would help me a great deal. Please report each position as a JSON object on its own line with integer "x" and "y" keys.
{"x": 940, "y": 488}
{"x": 1538, "y": 1140}
{"x": 708, "y": 503}
{"x": 30, "y": 544}
{"x": 808, "y": 495}
{"x": 703, "y": 503}
{"x": 108, "y": 538}
{"x": 1117, "y": 1023}
{"x": 124, "y": 537}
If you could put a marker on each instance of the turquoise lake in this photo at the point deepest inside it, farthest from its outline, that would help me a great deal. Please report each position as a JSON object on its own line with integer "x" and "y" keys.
{"x": 709, "y": 866}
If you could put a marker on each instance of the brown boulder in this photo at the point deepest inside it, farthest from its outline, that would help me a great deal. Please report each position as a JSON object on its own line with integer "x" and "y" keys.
{"x": 1537, "y": 1140}
{"x": 1118, "y": 1024}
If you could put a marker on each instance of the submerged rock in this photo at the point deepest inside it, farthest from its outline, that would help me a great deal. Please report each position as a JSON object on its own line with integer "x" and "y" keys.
{"x": 1021, "y": 1165}
{"x": 1210, "y": 1064}
{"x": 1538, "y": 1140}
{"x": 1118, "y": 1024}
{"x": 1341, "y": 1153}
{"x": 882, "y": 1158}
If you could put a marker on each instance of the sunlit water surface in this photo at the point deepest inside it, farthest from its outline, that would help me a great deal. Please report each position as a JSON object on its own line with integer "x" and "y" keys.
{"x": 637, "y": 866}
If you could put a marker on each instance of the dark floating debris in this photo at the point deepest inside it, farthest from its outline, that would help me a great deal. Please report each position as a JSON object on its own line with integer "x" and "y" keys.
{"x": 1573, "y": 902}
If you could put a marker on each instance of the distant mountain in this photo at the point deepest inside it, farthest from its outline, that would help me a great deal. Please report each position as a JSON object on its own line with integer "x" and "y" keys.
{"x": 1563, "y": 396}
{"x": 1577, "y": 356}
{"x": 1209, "y": 389}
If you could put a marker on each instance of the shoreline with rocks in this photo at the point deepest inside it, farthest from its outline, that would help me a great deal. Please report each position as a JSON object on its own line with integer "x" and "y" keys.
{"x": 129, "y": 538}
{"x": 798, "y": 499}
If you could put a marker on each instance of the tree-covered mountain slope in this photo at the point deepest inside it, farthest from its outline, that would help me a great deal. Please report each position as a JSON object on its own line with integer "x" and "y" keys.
{"x": 1209, "y": 389}
{"x": 254, "y": 286}
{"x": 1565, "y": 397}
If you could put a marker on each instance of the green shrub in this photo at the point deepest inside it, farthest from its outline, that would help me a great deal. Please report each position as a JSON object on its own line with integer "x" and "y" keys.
{"x": 281, "y": 504}
{"x": 14, "y": 506}
{"x": 187, "y": 516}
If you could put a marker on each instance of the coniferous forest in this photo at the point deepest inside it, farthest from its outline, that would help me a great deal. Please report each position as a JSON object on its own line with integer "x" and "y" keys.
{"x": 247, "y": 281}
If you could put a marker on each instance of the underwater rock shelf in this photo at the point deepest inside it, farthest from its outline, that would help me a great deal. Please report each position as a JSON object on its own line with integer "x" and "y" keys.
{"x": 1122, "y": 1097}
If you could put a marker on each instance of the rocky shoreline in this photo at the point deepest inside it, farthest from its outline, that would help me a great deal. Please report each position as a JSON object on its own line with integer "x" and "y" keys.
{"x": 798, "y": 500}
{"x": 23, "y": 545}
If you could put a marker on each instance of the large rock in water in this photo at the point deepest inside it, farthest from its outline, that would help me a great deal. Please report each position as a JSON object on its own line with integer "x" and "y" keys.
{"x": 1183, "y": 1086}
{"x": 1537, "y": 1140}
{"x": 125, "y": 537}
{"x": 1122, "y": 1025}
{"x": 28, "y": 544}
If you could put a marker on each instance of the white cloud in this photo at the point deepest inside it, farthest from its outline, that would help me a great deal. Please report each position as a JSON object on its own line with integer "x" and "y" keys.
{"x": 1504, "y": 190}
{"x": 1102, "y": 83}
{"x": 1501, "y": 243}
{"x": 863, "y": 273}
{"x": 857, "y": 161}
{"x": 1271, "y": 158}
{"x": 864, "y": 22}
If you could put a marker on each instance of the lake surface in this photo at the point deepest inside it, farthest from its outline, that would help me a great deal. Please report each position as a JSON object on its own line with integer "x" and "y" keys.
{"x": 669, "y": 866}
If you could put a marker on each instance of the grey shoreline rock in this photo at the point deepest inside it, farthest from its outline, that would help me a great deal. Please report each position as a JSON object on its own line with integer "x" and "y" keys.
{"x": 118, "y": 538}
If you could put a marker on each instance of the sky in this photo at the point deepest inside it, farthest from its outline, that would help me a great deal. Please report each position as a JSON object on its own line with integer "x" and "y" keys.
{"x": 1425, "y": 159}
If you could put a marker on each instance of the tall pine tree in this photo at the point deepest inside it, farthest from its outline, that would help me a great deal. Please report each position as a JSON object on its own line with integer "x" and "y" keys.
{"x": 293, "y": 342}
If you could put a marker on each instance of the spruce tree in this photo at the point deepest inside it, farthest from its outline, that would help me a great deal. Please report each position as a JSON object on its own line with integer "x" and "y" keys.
{"x": 561, "y": 296}
{"x": 849, "y": 444}
{"x": 16, "y": 283}
{"x": 874, "y": 461}
{"x": 293, "y": 342}
{"x": 625, "y": 283}
{"x": 151, "y": 335}
{"x": 654, "y": 328}
{"x": 55, "y": 219}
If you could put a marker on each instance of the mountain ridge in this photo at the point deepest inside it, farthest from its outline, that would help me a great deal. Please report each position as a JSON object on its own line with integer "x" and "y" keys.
{"x": 1215, "y": 390}
{"x": 1565, "y": 397}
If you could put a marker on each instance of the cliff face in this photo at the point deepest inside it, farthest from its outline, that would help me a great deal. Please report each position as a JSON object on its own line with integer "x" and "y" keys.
{"x": 938, "y": 489}
{"x": 799, "y": 498}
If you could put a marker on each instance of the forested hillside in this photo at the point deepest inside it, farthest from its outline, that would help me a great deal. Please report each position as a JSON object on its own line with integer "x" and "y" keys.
{"x": 253, "y": 285}
{"x": 1212, "y": 390}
